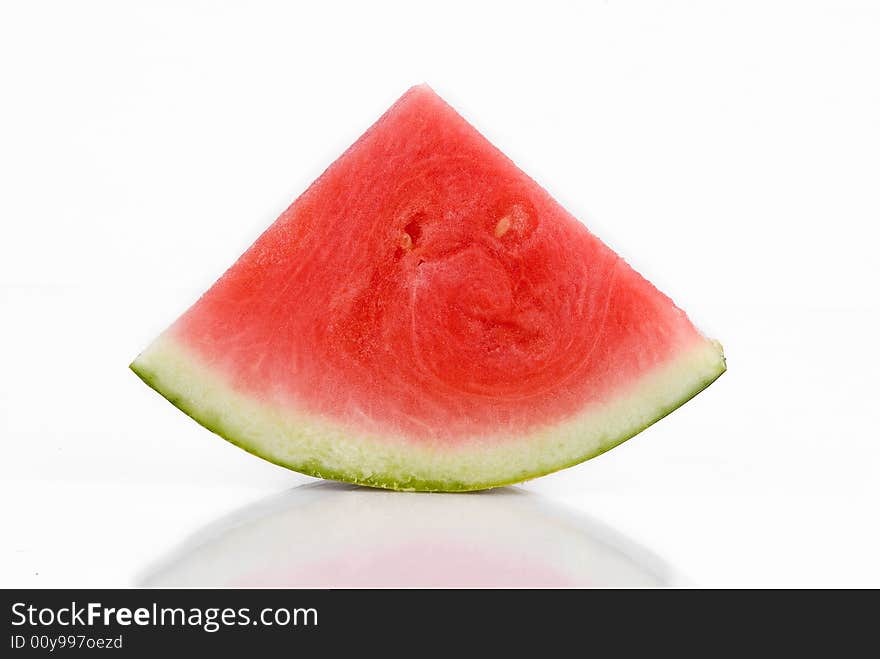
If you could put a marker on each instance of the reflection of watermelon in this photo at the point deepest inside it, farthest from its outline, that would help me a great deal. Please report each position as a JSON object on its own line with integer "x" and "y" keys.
{"x": 360, "y": 538}
{"x": 426, "y": 317}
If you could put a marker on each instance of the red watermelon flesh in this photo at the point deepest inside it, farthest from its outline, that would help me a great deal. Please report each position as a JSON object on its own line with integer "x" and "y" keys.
{"x": 426, "y": 316}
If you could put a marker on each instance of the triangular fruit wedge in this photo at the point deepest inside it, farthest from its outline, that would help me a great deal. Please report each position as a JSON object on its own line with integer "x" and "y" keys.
{"x": 426, "y": 317}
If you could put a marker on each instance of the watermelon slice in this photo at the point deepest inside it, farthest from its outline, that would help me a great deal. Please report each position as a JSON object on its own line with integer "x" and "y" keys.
{"x": 426, "y": 317}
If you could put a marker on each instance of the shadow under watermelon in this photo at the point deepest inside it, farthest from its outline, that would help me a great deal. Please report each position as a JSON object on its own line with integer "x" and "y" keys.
{"x": 327, "y": 535}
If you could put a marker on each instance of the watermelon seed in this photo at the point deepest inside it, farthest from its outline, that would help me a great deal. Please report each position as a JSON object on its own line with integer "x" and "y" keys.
{"x": 502, "y": 227}
{"x": 406, "y": 241}
{"x": 414, "y": 228}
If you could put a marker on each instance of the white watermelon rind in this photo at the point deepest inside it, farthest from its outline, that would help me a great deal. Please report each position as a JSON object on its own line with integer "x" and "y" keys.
{"x": 319, "y": 447}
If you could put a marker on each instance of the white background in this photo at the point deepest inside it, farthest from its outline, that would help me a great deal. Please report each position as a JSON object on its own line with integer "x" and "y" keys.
{"x": 730, "y": 151}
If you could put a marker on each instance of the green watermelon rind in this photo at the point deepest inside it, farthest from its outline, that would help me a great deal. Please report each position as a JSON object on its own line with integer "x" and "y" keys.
{"x": 401, "y": 480}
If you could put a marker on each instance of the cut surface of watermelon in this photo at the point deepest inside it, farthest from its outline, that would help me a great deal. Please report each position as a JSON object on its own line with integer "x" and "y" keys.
{"x": 425, "y": 316}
